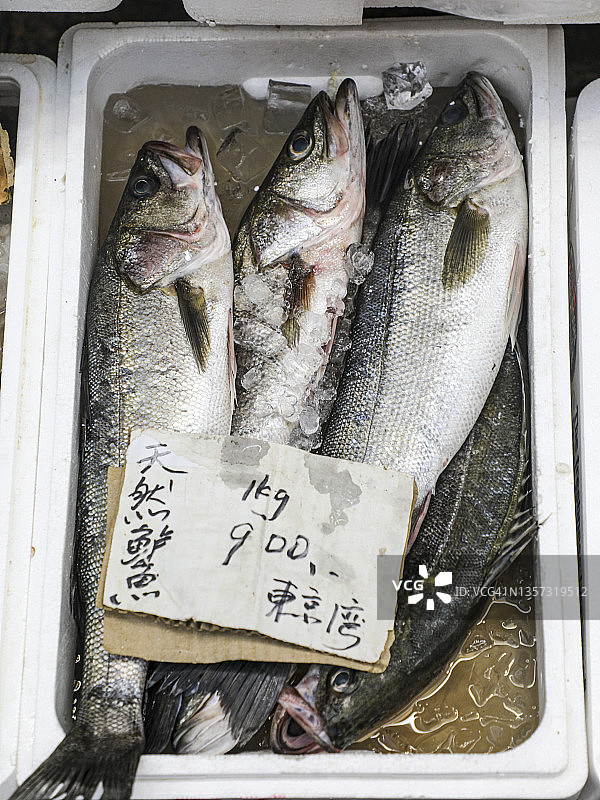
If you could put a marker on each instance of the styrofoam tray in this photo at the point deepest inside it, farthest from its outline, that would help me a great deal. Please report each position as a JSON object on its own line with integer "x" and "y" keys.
{"x": 526, "y": 65}
{"x": 33, "y": 79}
{"x": 584, "y": 287}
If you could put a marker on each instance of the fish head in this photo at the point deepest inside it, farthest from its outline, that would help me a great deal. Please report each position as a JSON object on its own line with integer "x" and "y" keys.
{"x": 169, "y": 222}
{"x": 471, "y": 146}
{"x": 329, "y": 709}
{"x": 315, "y": 188}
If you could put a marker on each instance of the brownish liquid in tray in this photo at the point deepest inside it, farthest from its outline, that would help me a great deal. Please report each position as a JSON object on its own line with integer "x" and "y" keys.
{"x": 488, "y": 699}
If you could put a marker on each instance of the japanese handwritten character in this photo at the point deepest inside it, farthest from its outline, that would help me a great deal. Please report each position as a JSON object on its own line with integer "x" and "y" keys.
{"x": 280, "y": 597}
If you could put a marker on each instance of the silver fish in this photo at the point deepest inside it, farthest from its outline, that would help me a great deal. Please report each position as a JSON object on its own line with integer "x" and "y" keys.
{"x": 291, "y": 275}
{"x": 291, "y": 272}
{"x": 154, "y": 357}
{"x": 442, "y": 299}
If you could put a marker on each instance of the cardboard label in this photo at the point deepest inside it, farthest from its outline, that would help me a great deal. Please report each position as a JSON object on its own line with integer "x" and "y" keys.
{"x": 244, "y": 534}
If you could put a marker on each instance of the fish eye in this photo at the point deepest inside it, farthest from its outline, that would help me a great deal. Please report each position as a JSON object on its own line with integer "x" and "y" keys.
{"x": 300, "y": 145}
{"x": 144, "y": 186}
{"x": 343, "y": 681}
{"x": 454, "y": 112}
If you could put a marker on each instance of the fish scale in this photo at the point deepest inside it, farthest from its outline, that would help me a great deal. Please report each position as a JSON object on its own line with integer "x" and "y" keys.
{"x": 128, "y": 389}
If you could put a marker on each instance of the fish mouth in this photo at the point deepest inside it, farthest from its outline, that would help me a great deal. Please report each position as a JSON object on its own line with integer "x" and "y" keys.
{"x": 347, "y": 111}
{"x": 183, "y": 164}
{"x": 337, "y": 143}
{"x": 489, "y": 105}
{"x": 297, "y": 727}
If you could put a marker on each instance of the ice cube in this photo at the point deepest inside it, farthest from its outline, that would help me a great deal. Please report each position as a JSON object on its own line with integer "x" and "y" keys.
{"x": 251, "y": 378}
{"x": 316, "y": 326}
{"x": 309, "y": 356}
{"x": 233, "y": 189}
{"x": 123, "y": 113}
{"x": 241, "y": 155}
{"x": 240, "y": 300}
{"x": 286, "y": 102}
{"x": 256, "y": 289}
{"x": 309, "y": 420}
{"x": 405, "y": 85}
{"x": 273, "y": 315}
{"x": 229, "y": 108}
{"x": 358, "y": 261}
{"x": 286, "y": 405}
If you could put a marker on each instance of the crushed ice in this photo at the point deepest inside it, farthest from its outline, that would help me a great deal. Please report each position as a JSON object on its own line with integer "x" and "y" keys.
{"x": 305, "y": 390}
{"x": 405, "y": 85}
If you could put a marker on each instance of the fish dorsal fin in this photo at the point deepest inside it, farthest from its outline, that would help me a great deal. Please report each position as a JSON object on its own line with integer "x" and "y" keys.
{"x": 194, "y": 315}
{"x": 523, "y": 531}
{"x": 467, "y": 244}
{"x": 299, "y": 298}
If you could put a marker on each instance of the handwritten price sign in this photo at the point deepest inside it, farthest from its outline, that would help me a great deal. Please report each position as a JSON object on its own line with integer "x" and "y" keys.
{"x": 255, "y": 536}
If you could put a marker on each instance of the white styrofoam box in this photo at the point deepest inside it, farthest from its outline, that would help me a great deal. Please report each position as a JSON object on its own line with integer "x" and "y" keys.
{"x": 33, "y": 78}
{"x": 527, "y": 66}
{"x": 349, "y": 12}
{"x": 584, "y": 289}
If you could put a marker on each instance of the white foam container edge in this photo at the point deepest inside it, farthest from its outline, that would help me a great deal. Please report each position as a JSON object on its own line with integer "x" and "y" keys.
{"x": 34, "y": 78}
{"x": 350, "y": 12}
{"x": 527, "y": 66}
{"x": 340, "y": 12}
{"x": 584, "y": 288}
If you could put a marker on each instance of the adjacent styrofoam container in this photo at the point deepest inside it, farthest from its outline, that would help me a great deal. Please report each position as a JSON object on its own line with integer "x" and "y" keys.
{"x": 527, "y": 66}
{"x": 82, "y": 6}
{"x": 341, "y": 12}
{"x": 350, "y": 12}
{"x": 33, "y": 79}
{"x": 584, "y": 291}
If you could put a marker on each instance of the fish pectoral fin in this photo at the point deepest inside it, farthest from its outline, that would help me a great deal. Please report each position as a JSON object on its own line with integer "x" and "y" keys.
{"x": 194, "y": 315}
{"x": 232, "y": 361}
{"x": 515, "y": 292}
{"x": 467, "y": 244}
{"x": 299, "y": 298}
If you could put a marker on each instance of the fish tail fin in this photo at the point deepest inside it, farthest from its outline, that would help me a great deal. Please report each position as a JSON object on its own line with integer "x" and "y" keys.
{"x": 80, "y": 763}
{"x": 388, "y": 161}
